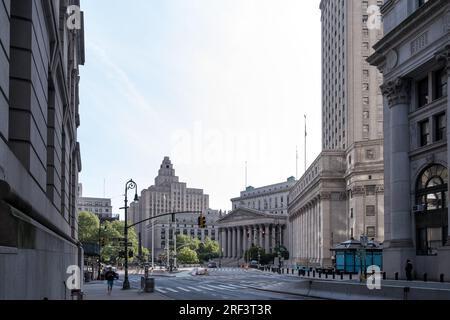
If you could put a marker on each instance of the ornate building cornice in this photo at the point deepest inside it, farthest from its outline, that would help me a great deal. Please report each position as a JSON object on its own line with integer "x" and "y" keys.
{"x": 444, "y": 56}
{"x": 397, "y": 91}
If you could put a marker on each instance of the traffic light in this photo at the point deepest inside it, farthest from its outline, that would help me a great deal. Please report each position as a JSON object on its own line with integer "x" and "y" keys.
{"x": 202, "y": 222}
{"x": 130, "y": 254}
{"x": 102, "y": 242}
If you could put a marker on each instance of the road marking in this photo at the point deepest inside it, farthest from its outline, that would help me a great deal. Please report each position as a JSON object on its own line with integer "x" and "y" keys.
{"x": 193, "y": 288}
{"x": 186, "y": 290}
{"x": 170, "y": 289}
{"x": 207, "y": 288}
{"x": 160, "y": 290}
{"x": 226, "y": 287}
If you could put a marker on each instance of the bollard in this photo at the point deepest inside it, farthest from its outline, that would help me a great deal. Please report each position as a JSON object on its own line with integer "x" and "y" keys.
{"x": 326, "y": 275}
{"x": 308, "y": 273}
{"x": 299, "y": 272}
{"x": 396, "y": 276}
{"x": 350, "y": 276}
{"x": 293, "y": 271}
{"x": 425, "y": 277}
{"x": 334, "y": 275}
{"x": 405, "y": 293}
{"x": 320, "y": 274}
{"x": 384, "y": 275}
{"x": 314, "y": 274}
{"x": 342, "y": 276}
{"x": 441, "y": 278}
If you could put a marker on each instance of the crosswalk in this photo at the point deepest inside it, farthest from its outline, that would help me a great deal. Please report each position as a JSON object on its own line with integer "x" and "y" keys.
{"x": 201, "y": 288}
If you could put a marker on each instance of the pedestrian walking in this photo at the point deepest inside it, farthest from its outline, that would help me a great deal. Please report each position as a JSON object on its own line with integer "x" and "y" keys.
{"x": 110, "y": 276}
{"x": 409, "y": 269}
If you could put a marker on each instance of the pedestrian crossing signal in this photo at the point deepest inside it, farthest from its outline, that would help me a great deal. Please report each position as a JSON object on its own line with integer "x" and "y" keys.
{"x": 202, "y": 222}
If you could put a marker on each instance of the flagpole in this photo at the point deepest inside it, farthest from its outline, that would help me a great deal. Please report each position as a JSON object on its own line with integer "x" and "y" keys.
{"x": 305, "y": 142}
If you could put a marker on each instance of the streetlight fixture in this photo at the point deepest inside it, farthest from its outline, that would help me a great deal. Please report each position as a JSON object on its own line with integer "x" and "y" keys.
{"x": 130, "y": 185}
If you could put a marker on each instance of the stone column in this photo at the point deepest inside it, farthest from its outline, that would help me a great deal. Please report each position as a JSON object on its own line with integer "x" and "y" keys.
{"x": 272, "y": 237}
{"x": 267, "y": 238}
{"x": 261, "y": 236}
{"x": 233, "y": 246}
{"x": 223, "y": 241}
{"x": 397, "y": 94}
{"x": 229, "y": 244}
{"x": 244, "y": 239}
{"x": 251, "y": 236}
{"x": 239, "y": 243}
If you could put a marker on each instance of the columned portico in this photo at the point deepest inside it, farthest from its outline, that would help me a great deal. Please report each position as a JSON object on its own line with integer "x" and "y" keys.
{"x": 245, "y": 228}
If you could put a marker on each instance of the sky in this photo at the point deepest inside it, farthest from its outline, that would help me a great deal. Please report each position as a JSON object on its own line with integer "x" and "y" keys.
{"x": 212, "y": 84}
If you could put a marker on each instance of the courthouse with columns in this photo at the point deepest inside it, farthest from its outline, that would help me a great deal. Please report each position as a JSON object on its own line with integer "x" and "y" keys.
{"x": 259, "y": 218}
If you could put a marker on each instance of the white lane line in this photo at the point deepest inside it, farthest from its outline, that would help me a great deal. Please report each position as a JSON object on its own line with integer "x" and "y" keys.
{"x": 185, "y": 290}
{"x": 219, "y": 287}
{"x": 160, "y": 290}
{"x": 170, "y": 289}
{"x": 237, "y": 286}
{"x": 206, "y": 288}
{"x": 195, "y": 289}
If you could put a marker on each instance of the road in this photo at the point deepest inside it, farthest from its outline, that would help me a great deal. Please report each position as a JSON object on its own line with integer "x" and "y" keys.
{"x": 219, "y": 284}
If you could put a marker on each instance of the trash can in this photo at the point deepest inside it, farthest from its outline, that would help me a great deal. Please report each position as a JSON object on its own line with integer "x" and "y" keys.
{"x": 148, "y": 284}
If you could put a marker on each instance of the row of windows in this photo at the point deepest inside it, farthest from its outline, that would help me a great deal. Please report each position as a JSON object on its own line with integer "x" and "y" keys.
{"x": 93, "y": 210}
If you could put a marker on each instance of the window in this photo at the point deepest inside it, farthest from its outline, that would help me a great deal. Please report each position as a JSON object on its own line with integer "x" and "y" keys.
{"x": 424, "y": 128}
{"x": 370, "y": 155}
{"x": 370, "y": 211}
{"x": 440, "y": 125}
{"x": 422, "y": 91}
{"x": 351, "y": 213}
{"x": 440, "y": 84}
{"x": 371, "y": 232}
{"x": 431, "y": 223}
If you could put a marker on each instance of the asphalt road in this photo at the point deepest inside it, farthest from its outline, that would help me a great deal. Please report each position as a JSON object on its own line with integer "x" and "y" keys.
{"x": 219, "y": 284}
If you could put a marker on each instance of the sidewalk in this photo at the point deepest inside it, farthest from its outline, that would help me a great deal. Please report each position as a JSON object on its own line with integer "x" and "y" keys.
{"x": 97, "y": 291}
{"x": 354, "y": 290}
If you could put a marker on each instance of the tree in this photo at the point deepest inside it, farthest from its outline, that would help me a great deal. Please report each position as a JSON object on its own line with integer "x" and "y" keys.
{"x": 88, "y": 224}
{"x": 208, "y": 250}
{"x": 184, "y": 241}
{"x": 187, "y": 256}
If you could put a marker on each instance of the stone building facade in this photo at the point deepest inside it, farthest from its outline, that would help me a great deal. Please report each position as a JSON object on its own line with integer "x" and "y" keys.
{"x": 352, "y": 129}
{"x": 259, "y": 218}
{"x": 169, "y": 195}
{"x": 414, "y": 57}
{"x": 39, "y": 153}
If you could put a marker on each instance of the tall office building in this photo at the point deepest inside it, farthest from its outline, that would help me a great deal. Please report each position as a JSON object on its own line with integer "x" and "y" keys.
{"x": 39, "y": 153}
{"x": 168, "y": 194}
{"x": 341, "y": 196}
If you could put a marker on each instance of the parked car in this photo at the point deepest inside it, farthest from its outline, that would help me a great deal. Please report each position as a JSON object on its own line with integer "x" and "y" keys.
{"x": 253, "y": 264}
{"x": 199, "y": 272}
{"x": 212, "y": 265}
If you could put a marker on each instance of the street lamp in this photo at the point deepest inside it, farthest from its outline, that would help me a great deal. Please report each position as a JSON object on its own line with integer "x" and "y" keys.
{"x": 130, "y": 185}
{"x": 364, "y": 242}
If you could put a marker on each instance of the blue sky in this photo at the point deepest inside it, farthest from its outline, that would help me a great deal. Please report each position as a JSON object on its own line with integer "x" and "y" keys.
{"x": 210, "y": 83}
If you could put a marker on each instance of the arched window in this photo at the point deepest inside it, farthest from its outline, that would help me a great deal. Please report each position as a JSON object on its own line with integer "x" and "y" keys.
{"x": 432, "y": 188}
{"x": 431, "y": 220}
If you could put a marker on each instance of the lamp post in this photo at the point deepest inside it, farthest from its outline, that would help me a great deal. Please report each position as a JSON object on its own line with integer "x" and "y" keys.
{"x": 364, "y": 242}
{"x": 130, "y": 185}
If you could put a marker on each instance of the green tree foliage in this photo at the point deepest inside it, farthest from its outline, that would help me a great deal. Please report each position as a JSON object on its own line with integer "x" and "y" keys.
{"x": 187, "y": 256}
{"x": 88, "y": 227}
{"x": 259, "y": 254}
{"x": 109, "y": 232}
{"x": 208, "y": 250}
{"x": 205, "y": 251}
